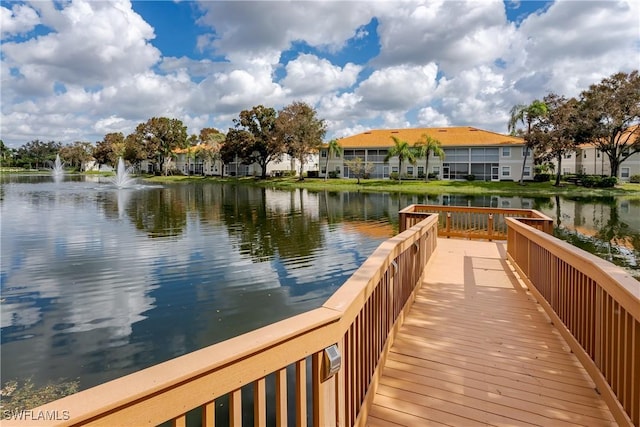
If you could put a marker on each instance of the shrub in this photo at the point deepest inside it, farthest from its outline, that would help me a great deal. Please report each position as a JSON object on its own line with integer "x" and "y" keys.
{"x": 333, "y": 174}
{"x": 595, "y": 181}
{"x": 542, "y": 177}
{"x": 394, "y": 176}
{"x": 433, "y": 175}
{"x": 312, "y": 174}
{"x": 635, "y": 179}
{"x": 470, "y": 177}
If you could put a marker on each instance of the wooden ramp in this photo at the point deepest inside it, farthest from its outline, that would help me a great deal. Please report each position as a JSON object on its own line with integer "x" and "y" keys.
{"x": 476, "y": 349}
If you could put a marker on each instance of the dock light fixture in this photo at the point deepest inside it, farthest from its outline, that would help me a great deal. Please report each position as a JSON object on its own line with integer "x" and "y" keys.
{"x": 332, "y": 362}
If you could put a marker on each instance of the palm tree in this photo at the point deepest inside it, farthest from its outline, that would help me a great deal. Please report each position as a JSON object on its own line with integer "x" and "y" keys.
{"x": 526, "y": 114}
{"x": 425, "y": 147}
{"x": 333, "y": 148}
{"x": 403, "y": 151}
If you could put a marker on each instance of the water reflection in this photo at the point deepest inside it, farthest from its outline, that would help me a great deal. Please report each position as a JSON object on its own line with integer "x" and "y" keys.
{"x": 98, "y": 282}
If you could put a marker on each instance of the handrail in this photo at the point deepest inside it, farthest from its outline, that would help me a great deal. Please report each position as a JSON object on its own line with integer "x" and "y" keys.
{"x": 474, "y": 222}
{"x": 597, "y": 302}
{"x": 361, "y": 318}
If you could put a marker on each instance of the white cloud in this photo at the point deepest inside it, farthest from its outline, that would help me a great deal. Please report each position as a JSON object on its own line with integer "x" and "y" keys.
{"x": 95, "y": 68}
{"x": 308, "y": 74}
{"x": 250, "y": 28}
{"x": 430, "y": 117}
{"x": 19, "y": 19}
{"x": 91, "y": 43}
{"x": 455, "y": 35}
{"x": 399, "y": 87}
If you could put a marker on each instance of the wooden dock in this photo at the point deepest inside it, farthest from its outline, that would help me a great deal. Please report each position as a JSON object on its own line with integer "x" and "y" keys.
{"x": 476, "y": 349}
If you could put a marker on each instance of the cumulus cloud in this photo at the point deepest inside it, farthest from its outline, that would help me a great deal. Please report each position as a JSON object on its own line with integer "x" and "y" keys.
{"x": 19, "y": 19}
{"x": 77, "y": 70}
{"x": 90, "y": 43}
{"x": 399, "y": 87}
{"x": 454, "y": 35}
{"x": 308, "y": 74}
{"x": 250, "y": 28}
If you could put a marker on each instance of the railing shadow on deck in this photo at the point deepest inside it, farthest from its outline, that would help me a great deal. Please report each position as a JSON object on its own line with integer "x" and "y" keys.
{"x": 360, "y": 318}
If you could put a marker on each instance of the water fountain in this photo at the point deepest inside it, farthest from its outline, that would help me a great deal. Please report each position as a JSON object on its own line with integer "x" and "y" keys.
{"x": 123, "y": 178}
{"x": 58, "y": 167}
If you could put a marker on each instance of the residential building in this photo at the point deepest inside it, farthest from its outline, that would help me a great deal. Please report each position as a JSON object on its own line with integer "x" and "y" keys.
{"x": 187, "y": 162}
{"x": 588, "y": 159}
{"x": 486, "y": 155}
{"x": 591, "y": 161}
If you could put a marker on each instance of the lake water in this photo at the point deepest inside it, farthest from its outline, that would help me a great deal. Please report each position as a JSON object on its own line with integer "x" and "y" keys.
{"x": 98, "y": 282}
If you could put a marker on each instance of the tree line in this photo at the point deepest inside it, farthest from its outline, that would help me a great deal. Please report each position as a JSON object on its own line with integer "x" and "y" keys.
{"x": 260, "y": 135}
{"x": 606, "y": 115}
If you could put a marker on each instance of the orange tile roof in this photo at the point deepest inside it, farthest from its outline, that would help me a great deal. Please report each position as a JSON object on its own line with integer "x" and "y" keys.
{"x": 448, "y": 136}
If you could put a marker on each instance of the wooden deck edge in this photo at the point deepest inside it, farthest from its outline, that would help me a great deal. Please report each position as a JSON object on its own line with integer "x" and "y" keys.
{"x": 602, "y": 386}
{"x": 361, "y": 420}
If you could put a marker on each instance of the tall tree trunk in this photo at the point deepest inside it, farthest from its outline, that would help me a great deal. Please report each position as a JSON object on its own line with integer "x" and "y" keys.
{"x": 524, "y": 162}
{"x": 326, "y": 168}
{"x": 559, "y": 171}
{"x": 426, "y": 167}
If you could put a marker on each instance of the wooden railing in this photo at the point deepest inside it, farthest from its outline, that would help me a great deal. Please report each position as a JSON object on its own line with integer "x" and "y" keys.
{"x": 269, "y": 367}
{"x": 474, "y": 223}
{"x": 599, "y": 306}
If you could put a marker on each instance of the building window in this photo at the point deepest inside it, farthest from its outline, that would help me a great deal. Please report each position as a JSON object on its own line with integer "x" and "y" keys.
{"x": 584, "y": 155}
{"x": 506, "y": 151}
{"x": 436, "y": 170}
{"x": 410, "y": 170}
{"x": 394, "y": 169}
{"x": 420, "y": 170}
{"x": 598, "y": 153}
{"x": 526, "y": 171}
{"x": 324, "y": 170}
{"x": 624, "y": 172}
{"x": 567, "y": 156}
{"x": 323, "y": 154}
{"x": 566, "y": 171}
{"x": 506, "y": 171}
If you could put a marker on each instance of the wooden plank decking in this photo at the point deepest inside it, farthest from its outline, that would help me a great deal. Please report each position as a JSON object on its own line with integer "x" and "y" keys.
{"x": 476, "y": 349}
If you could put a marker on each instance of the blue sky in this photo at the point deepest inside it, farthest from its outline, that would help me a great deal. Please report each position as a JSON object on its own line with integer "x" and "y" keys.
{"x": 77, "y": 70}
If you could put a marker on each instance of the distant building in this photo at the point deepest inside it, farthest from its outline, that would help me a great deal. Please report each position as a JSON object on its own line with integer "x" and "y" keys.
{"x": 588, "y": 159}
{"x": 187, "y": 162}
{"x": 488, "y": 156}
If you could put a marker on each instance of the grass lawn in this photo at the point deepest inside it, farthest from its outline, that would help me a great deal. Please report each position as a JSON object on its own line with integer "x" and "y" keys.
{"x": 421, "y": 187}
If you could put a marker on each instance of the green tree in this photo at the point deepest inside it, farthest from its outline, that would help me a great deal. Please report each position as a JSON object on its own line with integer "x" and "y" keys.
{"x": 255, "y": 137}
{"x": 132, "y": 150}
{"x": 77, "y": 154}
{"x": 38, "y": 152}
{"x": 555, "y": 134}
{"x": 403, "y": 152}
{"x": 426, "y": 146}
{"x": 192, "y": 151}
{"x": 300, "y": 131}
{"x": 106, "y": 151}
{"x": 6, "y": 154}
{"x": 160, "y": 136}
{"x": 527, "y": 115}
{"x": 211, "y": 141}
{"x": 610, "y": 112}
{"x": 359, "y": 168}
{"x": 333, "y": 149}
